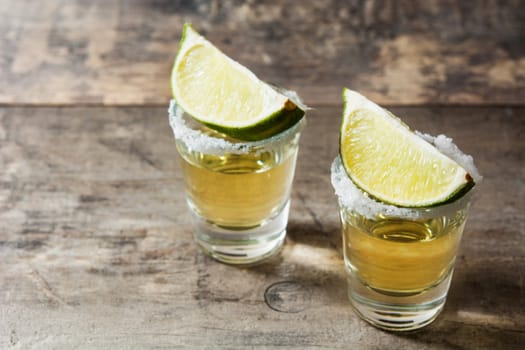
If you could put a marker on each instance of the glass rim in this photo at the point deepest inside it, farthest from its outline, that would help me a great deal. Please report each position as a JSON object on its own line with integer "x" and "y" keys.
{"x": 217, "y": 142}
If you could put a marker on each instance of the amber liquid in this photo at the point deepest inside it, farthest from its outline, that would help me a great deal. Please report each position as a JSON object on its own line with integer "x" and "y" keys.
{"x": 238, "y": 190}
{"x": 401, "y": 256}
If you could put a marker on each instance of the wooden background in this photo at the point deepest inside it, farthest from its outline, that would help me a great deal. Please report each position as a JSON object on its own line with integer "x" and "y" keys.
{"x": 96, "y": 249}
{"x": 398, "y": 52}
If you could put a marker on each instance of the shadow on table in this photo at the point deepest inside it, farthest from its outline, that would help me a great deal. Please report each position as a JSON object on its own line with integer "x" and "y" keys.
{"x": 316, "y": 234}
{"x": 487, "y": 299}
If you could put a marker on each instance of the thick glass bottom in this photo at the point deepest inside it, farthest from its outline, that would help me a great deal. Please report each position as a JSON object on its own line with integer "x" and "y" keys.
{"x": 239, "y": 245}
{"x": 398, "y": 312}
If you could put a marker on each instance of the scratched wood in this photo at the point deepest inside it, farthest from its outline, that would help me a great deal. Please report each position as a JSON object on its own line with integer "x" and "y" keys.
{"x": 59, "y": 52}
{"x": 96, "y": 248}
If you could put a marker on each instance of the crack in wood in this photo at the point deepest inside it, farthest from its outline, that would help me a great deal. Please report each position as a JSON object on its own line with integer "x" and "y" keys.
{"x": 43, "y": 286}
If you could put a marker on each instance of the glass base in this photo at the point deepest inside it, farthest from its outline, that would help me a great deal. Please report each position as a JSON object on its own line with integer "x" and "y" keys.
{"x": 398, "y": 312}
{"x": 241, "y": 246}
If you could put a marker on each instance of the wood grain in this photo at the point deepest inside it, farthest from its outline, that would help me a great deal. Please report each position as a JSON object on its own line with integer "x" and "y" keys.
{"x": 96, "y": 248}
{"x": 61, "y": 52}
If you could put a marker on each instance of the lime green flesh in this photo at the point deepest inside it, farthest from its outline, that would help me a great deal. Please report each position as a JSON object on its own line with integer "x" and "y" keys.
{"x": 387, "y": 160}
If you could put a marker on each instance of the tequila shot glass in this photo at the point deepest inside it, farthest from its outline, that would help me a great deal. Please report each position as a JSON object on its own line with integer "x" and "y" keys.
{"x": 400, "y": 261}
{"x": 238, "y": 192}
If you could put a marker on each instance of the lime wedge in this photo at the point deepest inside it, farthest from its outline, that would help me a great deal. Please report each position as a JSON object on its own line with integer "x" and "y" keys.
{"x": 226, "y": 96}
{"x": 383, "y": 157}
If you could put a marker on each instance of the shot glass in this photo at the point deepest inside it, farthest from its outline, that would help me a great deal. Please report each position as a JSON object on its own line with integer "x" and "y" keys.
{"x": 238, "y": 192}
{"x": 399, "y": 261}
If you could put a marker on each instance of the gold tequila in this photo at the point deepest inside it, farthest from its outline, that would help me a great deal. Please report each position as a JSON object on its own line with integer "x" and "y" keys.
{"x": 238, "y": 190}
{"x": 401, "y": 256}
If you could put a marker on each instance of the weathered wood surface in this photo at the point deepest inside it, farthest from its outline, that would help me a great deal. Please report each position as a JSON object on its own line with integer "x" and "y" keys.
{"x": 61, "y": 52}
{"x": 96, "y": 248}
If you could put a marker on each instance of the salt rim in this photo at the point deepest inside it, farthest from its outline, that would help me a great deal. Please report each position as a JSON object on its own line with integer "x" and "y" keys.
{"x": 350, "y": 196}
{"x": 201, "y": 142}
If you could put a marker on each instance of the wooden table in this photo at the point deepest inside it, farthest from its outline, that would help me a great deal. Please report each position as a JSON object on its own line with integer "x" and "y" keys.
{"x": 96, "y": 249}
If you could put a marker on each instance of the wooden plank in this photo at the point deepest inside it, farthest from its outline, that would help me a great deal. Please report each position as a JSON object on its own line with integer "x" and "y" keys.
{"x": 398, "y": 52}
{"x": 96, "y": 247}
